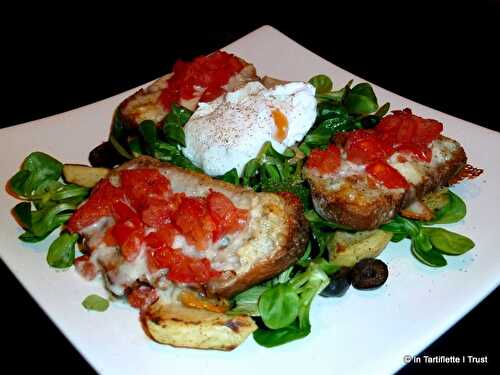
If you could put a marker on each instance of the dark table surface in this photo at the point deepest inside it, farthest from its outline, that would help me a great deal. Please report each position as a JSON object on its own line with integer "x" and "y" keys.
{"x": 450, "y": 67}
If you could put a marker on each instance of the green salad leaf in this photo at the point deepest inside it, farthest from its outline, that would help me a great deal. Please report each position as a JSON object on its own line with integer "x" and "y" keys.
{"x": 279, "y": 306}
{"x": 453, "y": 212}
{"x": 271, "y": 338}
{"x": 134, "y": 144}
{"x": 283, "y": 303}
{"x": 178, "y": 116}
{"x": 322, "y": 83}
{"x": 118, "y": 126}
{"x": 272, "y": 171}
{"x": 337, "y": 121}
{"x": 95, "y": 303}
{"x": 361, "y": 99}
{"x": 119, "y": 148}
{"x": 161, "y": 141}
{"x": 447, "y": 242}
{"x": 430, "y": 257}
{"x": 54, "y": 208}
{"x": 334, "y": 96}
{"x": 313, "y": 217}
{"x": 38, "y": 167}
{"x": 230, "y": 176}
{"x": 247, "y": 302}
{"x": 18, "y": 181}
{"x": 147, "y": 129}
{"x": 293, "y": 299}
{"x": 174, "y": 123}
{"x": 62, "y": 251}
{"x": 38, "y": 184}
{"x": 428, "y": 244}
{"x": 382, "y": 111}
{"x": 167, "y": 152}
{"x": 22, "y": 212}
{"x": 340, "y": 111}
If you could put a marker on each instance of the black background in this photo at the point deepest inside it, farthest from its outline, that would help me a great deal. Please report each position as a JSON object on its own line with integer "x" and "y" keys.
{"x": 444, "y": 58}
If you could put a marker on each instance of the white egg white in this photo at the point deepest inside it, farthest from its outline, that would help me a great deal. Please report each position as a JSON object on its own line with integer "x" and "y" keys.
{"x": 229, "y": 131}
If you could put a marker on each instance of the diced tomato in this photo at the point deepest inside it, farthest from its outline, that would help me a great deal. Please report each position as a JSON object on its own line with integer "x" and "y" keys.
{"x": 129, "y": 235}
{"x": 201, "y": 269}
{"x": 212, "y": 93}
{"x": 122, "y": 212}
{"x": 85, "y": 267}
{"x": 226, "y": 216}
{"x": 130, "y": 248}
{"x": 404, "y": 127}
{"x": 122, "y": 230}
{"x": 109, "y": 239}
{"x": 391, "y": 123}
{"x": 423, "y": 153}
{"x": 357, "y": 136}
{"x": 160, "y": 258}
{"x": 181, "y": 267}
{"x": 127, "y": 222}
{"x": 387, "y": 175}
{"x": 160, "y": 211}
{"x": 157, "y": 212}
{"x": 194, "y": 222}
{"x": 216, "y": 70}
{"x": 142, "y": 296}
{"x": 210, "y": 72}
{"x": 99, "y": 204}
{"x": 170, "y": 96}
{"x": 427, "y": 131}
{"x": 141, "y": 185}
{"x": 364, "y": 147}
{"x": 406, "y": 131}
{"x": 165, "y": 235}
{"x": 325, "y": 161}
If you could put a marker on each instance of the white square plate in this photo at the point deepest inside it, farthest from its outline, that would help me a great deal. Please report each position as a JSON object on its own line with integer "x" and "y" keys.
{"x": 363, "y": 332}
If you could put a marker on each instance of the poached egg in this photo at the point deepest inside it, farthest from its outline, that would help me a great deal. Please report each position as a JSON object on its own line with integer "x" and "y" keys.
{"x": 229, "y": 131}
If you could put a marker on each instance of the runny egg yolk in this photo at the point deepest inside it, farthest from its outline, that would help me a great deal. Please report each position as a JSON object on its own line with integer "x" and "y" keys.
{"x": 281, "y": 123}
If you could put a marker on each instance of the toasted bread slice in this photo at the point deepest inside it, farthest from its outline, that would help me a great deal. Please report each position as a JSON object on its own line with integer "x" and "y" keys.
{"x": 145, "y": 104}
{"x": 273, "y": 238}
{"x": 350, "y": 197}
{"x": 181, "y": 326}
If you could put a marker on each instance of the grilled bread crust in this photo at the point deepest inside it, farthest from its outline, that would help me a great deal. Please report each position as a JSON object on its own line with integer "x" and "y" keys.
{"x": 277, "y": 238}
{"x": 362, "y": 204}
{"x": 292, "y": 241}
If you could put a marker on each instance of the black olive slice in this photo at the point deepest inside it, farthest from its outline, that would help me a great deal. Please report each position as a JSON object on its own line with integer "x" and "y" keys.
{"x": 340, "y": 281}
{"x": 369, "y": 273}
